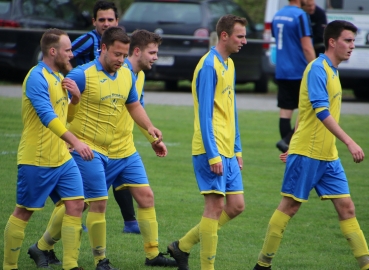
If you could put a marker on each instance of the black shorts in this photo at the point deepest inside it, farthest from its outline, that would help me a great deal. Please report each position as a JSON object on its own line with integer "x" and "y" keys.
{"x": 288, "y": 94}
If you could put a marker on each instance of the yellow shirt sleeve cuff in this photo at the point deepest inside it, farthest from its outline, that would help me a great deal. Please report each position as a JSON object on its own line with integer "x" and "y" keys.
{"x": 57, "y": 127}
{"x": 150, "y": 138}
{"x": 215, "y": 160}
{"x": 239, "y": 154}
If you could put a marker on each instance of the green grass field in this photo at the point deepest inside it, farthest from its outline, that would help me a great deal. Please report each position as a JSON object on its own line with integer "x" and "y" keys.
{"x": 312, "y": 241}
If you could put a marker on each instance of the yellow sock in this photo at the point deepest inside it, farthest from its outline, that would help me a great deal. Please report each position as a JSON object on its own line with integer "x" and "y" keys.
{"x": 71, "y": 231}
{"x": 96, "y": 225}
{"x": 146, "y": 218}
{"x": 208, "y": 230}
{"x": 355, "y": 237}
{"x": 191, "y": 238}
{"x": 273, "y": 237}
{"x": 224, "y": 218}
{"x": 13, "y": 239}
{"x": 53, "y": 230}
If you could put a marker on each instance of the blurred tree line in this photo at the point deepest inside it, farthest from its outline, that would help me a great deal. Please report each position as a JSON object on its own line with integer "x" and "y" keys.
{"x": 255, "y": 8}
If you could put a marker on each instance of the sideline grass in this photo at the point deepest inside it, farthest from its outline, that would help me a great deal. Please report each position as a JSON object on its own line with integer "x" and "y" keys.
{"x": 312, "y": 241}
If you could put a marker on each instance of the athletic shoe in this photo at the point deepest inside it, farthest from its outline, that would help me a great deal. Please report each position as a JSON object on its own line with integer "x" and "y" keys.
{"x": 282, "y": 146}
{"x": 160, "y": 260}
{"x": 259, "y": 267}
{"x": 180, "y": 256}
{"x": 52, "y": 258}
{"x": 131, "y": 227}
{"x": 41, "y": 257}
{"x": 105, "y": 265}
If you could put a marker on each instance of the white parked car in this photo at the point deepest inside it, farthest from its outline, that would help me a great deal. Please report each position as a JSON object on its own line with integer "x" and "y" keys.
{"x": 354, "y": 73}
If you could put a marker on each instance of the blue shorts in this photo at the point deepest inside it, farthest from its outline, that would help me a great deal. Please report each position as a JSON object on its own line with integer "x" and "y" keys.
{"x": 126, "y": 172}
{"x": 93, "y": 176}
{"x": 302, "y": 174}
{"x": 208, "y": 182}
{"x": 36, "y": 183}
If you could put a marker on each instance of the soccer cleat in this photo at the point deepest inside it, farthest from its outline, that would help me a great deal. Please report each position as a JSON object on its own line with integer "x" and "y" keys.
{"x": 52, "y": 258}
{"x": 131, "y": 227}
{"x": 105, "y": 265}
{"x": 282, "y": 146}
{"x": 259, "y": 267}
{"x": 160, "y": 260}
{"x": 41, "y": 257}
{"x": 180, "y": 256}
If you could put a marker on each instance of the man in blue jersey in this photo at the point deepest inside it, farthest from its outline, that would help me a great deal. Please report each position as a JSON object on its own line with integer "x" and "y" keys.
{"x": 313, "y": 160}
{"x": 216, "y": 144}
{"x": 85, "y": 49}
{"x": 125, "y": 169}
{"x": 45, "y": 165}
{"x": 292, "y": 32}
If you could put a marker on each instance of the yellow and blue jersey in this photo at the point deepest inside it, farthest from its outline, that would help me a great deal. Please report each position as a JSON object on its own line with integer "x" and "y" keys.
{"x": 103, "y": 99}
{"x": 43, "y": 100}
{"x": 123, "y": 145}
{"x": 320, "y": 89}
{"x": 216, "y": 125}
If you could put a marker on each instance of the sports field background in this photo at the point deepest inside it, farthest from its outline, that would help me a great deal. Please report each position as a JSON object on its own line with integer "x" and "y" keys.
{"x": 312, "y": 240}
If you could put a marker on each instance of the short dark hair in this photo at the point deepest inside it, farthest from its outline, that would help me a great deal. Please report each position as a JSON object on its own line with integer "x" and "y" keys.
{"x": 50, "y": 39}
{"x": 142, "y": 38}
{"x": 104, "y": 5}
{"x": 227, "y": 22}
{"x": 334, "y": 30}
{"x": 112, "y": 34}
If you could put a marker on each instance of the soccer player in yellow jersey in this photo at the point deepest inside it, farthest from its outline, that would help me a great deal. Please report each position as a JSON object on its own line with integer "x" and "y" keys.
{"x": 125, "y": 168}
{"x": 45, "y": 165}
{"x": 313, "y": 160}
{"x": 216, "y": 144}
{"x": 107, "y": 90}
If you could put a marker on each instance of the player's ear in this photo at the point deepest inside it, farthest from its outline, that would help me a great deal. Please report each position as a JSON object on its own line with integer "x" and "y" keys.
{"x": 136, "y": 50}
{"x": 52, "y": 51}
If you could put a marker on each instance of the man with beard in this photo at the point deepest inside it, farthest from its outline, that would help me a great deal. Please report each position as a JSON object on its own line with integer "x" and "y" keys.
{"x": 125, "y": 169}
{"x": 85, "y": 49}
{"x": 313, "y": 161}
{"x": 45, "y": 165}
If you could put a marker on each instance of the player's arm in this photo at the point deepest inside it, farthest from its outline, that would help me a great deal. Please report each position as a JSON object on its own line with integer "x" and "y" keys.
{"x": 75, "y": 83}
{"x": 305, "y": 37}
{"x": 82, "y": 45}
{"x": 38, "y": 94}
{"x": 237, "y": 146}
{"x": 317, "y": 80}
{"x": 205, "y": 85}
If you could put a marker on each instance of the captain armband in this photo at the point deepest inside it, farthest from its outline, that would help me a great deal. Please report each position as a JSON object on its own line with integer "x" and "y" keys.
{"x": 322, "y": 114}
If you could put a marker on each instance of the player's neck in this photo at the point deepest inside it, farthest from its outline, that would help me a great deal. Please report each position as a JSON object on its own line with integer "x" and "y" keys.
{"x": 222, "y": 51}
{"x": 50, "y": 64}
{"x": 335, "y": 61}
{"x": 135, "y": 68}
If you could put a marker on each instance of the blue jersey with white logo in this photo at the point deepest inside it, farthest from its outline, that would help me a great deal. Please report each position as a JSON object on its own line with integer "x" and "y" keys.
{"x": 289, "y": 25}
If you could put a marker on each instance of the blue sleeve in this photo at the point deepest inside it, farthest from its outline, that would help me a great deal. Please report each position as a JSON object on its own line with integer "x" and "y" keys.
{"x": 82, "y": 45}
{"x": 78, "y": 75}
{"x": 237, "y": 142}
{"x": 142, "y": 98}
{"x": 304, "y": 25}
{"x": 316, "y": 85}
{"x": 132, "y": 96}
{"x": 205, "y": 85}
{"x": 38, "y": 93}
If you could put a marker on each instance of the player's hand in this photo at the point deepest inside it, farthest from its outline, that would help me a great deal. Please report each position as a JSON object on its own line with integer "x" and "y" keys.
{"x": 73, "y": 89}
{"x": 155, "y": 133}
{"x": 159, "y": 148}
{"x": 217, "y": 168}
{"x": 356, "y": 152}
{"x": 283, "y": 157}
{"x": 84, "y": 151}
{"x": 240, "y": 162}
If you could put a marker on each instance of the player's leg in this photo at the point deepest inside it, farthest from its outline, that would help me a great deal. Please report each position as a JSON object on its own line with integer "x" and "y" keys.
{"x": 134, "y": 176}
{"x": 96, "y": 194}
{"x": 334, "y": 186}
{"x": 297, "y": 183}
